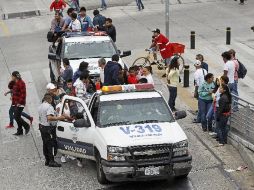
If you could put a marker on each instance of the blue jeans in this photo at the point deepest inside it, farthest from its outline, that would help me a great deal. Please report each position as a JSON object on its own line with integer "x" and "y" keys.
{"x": 172, "y": 97}
{"x": 103, "y": 4}
{"x": 233, "y": 87}
{"x": 204, "y": 106}
{"x": 11, "y": 115}
{"x": 140, "y": 4}
{"x": 222, "y": 129}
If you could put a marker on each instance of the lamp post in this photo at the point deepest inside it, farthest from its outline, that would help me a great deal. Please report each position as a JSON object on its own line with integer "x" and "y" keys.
{"x": 167, "y": 17}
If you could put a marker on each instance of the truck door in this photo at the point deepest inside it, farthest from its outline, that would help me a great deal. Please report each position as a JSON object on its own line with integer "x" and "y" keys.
{"x": 71, "y": 140}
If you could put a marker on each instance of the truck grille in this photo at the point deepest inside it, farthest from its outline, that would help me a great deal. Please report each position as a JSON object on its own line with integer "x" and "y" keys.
{"x": 150, "y": 152}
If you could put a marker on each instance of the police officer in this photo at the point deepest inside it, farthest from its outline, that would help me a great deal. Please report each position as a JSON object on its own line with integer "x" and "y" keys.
{"x": 47, "y": 126}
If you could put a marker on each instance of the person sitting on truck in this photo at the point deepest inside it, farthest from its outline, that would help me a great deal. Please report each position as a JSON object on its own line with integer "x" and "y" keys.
{"x": 111, "y": 71}
{"x": 110, "y": 29}
{"x": 67, "y": 19}
{"x": 67, "y": 72}
{"x": 83, "y": 67}
{"x": 132, "y": 78}
{"x": 101, "y": 64}
{"x": 85, "y": 20}
{"x": 80, "y": 85}
{"x": 98, "y": 20}
{"x": 75, "y": 25}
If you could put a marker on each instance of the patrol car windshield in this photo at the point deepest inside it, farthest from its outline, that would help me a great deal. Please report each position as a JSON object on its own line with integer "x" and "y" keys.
{"x": 127, "y": 112}
{"x": 84, "y": 50}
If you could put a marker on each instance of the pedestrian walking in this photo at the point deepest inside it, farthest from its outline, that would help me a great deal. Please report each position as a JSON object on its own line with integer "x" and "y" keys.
{"x": 140, "y": 5}
{"x": 110, "y": 29}
{"x": 103, "y": 5}
{"x": 19, "y": 102}
{"x": 223, "y": 113}
{"x": 47, "y": 127}
{"x": 173, "y": 81}
{"x": 11, "y": 110}
{"x": 205, "y": 100}
{"x": 58, "y": 6}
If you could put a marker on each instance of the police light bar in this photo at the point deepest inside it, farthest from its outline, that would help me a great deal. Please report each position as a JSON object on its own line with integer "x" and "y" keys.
{"x": 76, "y": 34}
{"x": 127, "y": 88}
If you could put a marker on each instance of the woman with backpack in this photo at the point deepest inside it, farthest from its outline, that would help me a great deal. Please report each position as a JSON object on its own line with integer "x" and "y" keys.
{"x": 172, "y": 81}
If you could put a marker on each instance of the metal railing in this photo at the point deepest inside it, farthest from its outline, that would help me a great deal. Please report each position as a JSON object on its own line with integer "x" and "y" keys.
{"x": 242, "y": 122}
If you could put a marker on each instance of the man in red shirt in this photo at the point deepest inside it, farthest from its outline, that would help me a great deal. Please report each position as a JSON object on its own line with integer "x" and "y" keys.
{"x": 19, "y": 102}
{"x": 58, "y": 5}
{"x": 163, "y": 45}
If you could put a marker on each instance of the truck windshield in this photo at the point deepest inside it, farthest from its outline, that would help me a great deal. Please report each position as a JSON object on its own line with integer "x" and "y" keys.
{"x": 83, "y": 50}
{"x": 126, "y": 112}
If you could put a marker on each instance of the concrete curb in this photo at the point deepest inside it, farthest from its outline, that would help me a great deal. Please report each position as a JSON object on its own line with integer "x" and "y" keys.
{"x": 246, "y": 154}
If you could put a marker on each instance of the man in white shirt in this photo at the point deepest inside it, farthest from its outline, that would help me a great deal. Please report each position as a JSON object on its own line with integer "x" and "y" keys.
{"x": 199, "y": 75}
{"x": 229, "y": 67}
{"x": 233, "y": 84}
{"x": 199, "y": 78}
{"x": 75, "y": 25}
{"x": 102, "y": 63}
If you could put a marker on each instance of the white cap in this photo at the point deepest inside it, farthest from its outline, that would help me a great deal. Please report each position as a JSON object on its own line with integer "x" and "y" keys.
{"x": 50, "y": 86}
{"x": 197, "y": 63}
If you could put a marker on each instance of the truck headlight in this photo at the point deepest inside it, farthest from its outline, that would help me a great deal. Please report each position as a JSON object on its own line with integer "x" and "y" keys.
{"x": 180, "y": 149}
{"x": 116, "y": 153}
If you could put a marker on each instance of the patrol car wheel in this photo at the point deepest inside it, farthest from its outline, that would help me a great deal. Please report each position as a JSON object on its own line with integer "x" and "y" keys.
{"x": 99, "y": 170}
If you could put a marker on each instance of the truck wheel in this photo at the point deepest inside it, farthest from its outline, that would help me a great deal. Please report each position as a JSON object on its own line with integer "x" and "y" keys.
{"x": 182, "y": 176}
{"x": 99, "y": 170}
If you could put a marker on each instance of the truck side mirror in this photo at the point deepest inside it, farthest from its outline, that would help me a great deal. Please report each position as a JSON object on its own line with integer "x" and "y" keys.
{"x": 180, "y": 115}
{"x": 126, "y": 53}
{"x": 80, "y": 123}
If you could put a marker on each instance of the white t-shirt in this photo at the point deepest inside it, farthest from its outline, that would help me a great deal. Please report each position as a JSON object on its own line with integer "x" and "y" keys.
{"x": 75, "y": 26}
{"x": 101, "y": 74}
{"x": 149, "y": 78}
{"x": 199, "y": 76}
{"x": 230, "y": 67}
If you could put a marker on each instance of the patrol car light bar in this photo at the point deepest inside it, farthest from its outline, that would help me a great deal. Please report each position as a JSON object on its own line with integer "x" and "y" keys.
{"x": 76, "y": 34}
{"x": 127, "y": 88}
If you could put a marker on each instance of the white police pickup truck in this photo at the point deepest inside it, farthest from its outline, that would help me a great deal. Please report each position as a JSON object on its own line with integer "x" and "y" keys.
{"x": 84, "y": 46}
{"x": 129, "y": 131}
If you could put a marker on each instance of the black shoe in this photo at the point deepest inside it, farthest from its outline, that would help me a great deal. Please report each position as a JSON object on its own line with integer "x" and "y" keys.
{"x": 54, "y": 164}
{"x": 163, "y": 76}
{"x": 153, "y": 63}
{"x": 46, "y": 163}
{"x": 18, "y": 133}
{"x": 195, "y": 121}
{"x": 204, "y": 129}
{"x": 27, "y": 130}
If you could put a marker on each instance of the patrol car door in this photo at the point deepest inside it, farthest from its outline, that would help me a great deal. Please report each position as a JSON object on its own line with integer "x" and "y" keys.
{"x": 71, "y": 140}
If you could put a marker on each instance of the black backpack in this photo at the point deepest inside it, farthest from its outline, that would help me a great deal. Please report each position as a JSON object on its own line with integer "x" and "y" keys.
{"x": 242, "y": 71}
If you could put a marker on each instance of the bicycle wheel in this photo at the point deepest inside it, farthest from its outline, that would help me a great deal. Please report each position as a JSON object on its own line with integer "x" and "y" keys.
{"x": 181, "y": 63}
{"x": 142, "y": 61}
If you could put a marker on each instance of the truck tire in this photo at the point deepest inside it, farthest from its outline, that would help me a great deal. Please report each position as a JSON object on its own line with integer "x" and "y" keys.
{"x": 99, "y": 170}
{"x": 182, "y": 176}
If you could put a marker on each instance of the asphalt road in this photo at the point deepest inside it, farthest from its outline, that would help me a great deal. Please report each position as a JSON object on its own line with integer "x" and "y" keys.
{"x": 25, "y": 49}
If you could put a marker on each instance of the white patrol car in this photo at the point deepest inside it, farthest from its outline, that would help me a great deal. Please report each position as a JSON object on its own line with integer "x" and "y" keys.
{"x": 88, "y": 47}
{"x": 129, "y": 131}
